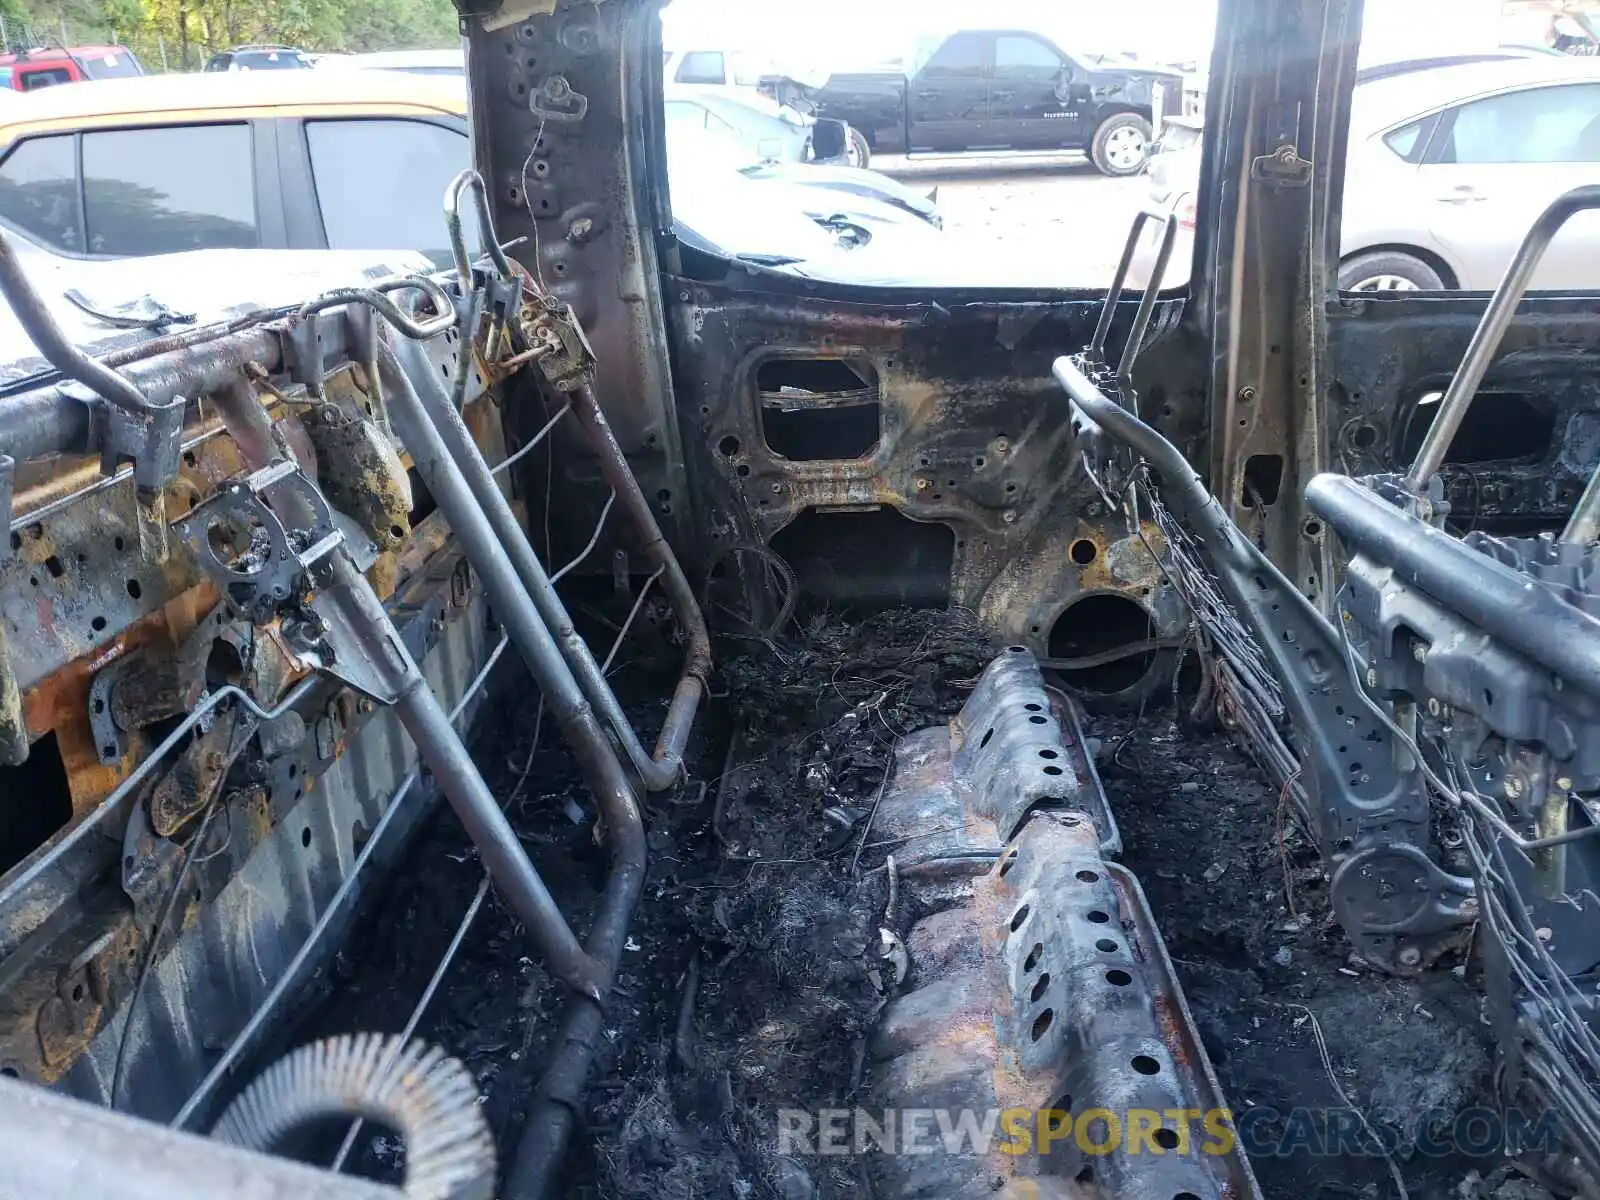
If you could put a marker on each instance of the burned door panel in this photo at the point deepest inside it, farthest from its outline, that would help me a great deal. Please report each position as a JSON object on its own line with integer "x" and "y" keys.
{"x": 1519, "y": 463}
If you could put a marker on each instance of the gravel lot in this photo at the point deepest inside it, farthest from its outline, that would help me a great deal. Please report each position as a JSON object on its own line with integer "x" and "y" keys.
{"x": 1058, "y": 206}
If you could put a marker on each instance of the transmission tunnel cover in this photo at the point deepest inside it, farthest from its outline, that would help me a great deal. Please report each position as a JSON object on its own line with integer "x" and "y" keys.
{"x": 1041, "y": 1045}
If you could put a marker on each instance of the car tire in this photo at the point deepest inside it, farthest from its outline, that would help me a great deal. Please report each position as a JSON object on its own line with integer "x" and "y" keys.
{"x": 1388, "y": 271}
{"x": 1121, "y": 146}
{"x": 858, "y": 151}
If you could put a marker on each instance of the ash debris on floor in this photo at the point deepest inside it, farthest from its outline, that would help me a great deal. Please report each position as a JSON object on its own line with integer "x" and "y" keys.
{"x": 770, "y": 889}
{"x": 1242, "y": 904}
{"x": 754, "y": 974}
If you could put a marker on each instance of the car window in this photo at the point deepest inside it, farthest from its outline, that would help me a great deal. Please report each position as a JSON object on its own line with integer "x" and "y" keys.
{"x": 113, "y": 64}
{"x": 1539, "y": 125}
{"x": 748, "y": 70}
{"x": 39, "y": 191}
{"x": 143, "y": 195}
{"x": 701, "y": 66}
{"x": 1410, "y": 141}
{"x": 409, "y": 163}
{"x": 32, "y": 81}
{"x": 686, "y": 115}
{"x": 963, "y": 56}
{"x": 269, "y": 60}
{"x": 1024, "y": 60}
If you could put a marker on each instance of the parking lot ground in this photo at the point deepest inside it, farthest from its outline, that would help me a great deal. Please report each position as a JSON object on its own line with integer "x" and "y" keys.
{"x": 1057, "y": 206}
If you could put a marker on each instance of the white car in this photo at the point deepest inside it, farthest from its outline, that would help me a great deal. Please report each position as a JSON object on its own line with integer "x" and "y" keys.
{"x": 104, "y": 304}
{"x": 769, "y": 131}
{"x": 412, "y": 62}
{"x": 735, "y": 69}
{"x": 1448, "y": 167}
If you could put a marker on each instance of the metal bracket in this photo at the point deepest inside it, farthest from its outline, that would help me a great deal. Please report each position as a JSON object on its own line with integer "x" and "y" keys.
{"x": 1283, "y": 166}
{"x": 556, "y": 101}
{"x": 502, "y": 295}
{"x": 152, "y": 439}
{"x": 102, "y": 724}
{"x": 302, "y": 354}
{"x": 568, "y": 357}
{"x": 241, "y": 543}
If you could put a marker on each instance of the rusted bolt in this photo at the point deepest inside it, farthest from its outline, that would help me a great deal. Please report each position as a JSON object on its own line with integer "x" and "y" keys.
{"x": 1419, "y": 652}
{"x": 1564, "y": 784}
{"x": 1372, "y": 678}
{"x": 1009, "y": 516}
{"x": 580, "y": 229}
{"x": 1002, "y": 446}
{"x": 1247, "y": 395}
{"x": 1434, "y": 707}
{"x": 365, "y": 705}
{"x": 1515, "y": 787}
{"x": 923, "y": 485}
{"x": 1409, "y": 956}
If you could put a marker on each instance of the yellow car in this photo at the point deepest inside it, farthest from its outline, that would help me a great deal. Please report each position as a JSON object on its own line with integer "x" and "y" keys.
{"x": 279, "y": 160}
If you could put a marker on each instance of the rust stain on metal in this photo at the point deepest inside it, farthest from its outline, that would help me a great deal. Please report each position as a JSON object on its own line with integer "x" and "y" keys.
{"x": 59, "y": 703}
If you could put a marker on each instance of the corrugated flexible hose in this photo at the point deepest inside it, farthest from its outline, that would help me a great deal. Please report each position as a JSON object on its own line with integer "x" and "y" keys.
{"x": 427, "y": 1097}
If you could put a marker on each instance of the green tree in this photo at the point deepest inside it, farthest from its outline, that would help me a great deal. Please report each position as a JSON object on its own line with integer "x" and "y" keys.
{"x": 187, "y": 32}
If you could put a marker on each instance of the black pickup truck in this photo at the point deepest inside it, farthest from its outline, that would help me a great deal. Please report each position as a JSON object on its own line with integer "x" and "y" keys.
{"x": 1003, "y": 89}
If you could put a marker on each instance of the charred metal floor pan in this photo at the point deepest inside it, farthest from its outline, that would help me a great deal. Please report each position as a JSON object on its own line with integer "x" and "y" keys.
{"x": 1041, "y": 1042}
{"x": 962, "y": 790}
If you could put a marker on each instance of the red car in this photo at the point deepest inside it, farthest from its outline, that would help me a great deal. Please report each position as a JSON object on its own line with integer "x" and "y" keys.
{"x": 46, "y": 66}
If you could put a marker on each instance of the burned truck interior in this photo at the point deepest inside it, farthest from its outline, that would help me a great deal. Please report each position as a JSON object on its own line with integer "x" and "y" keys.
{"x": 607, "y": 719}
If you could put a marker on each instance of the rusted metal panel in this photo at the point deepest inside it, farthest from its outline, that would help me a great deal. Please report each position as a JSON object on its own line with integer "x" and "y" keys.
{"x": 1039, "y": 999}
{"x": 971, "y": 437}
{"x": 962, "y": 790}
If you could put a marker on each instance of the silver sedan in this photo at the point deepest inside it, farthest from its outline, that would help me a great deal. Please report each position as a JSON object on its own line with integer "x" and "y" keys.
{"x": 1447, "y": 169}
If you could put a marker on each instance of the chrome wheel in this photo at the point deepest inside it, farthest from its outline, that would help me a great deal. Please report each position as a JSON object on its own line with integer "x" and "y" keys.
{"x": 1384, "y": 283}
{"x": 857, "y": 152}
{"x": 1125, "y": 147}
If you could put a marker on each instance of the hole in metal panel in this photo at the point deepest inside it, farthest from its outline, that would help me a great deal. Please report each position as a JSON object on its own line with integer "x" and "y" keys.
{"x": 1263, "y": 480}
{"x": 35, "y": 802}
{"x": 874, "y": 558}
{"x": 819, "y": 408}
{"x": 1095, "y": 625}
{"x": 1498, "y": 426}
